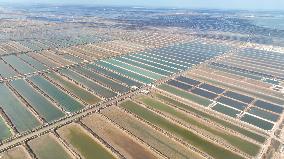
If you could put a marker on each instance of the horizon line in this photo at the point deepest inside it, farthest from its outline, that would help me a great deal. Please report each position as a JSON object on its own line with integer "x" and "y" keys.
{"x": 134, "y": 6}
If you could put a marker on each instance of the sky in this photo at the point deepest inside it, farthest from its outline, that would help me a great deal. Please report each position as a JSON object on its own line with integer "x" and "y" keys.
{"x": 216, "y": 4}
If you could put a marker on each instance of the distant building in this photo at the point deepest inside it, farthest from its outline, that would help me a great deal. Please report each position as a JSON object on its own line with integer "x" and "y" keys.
{"x": 133, "y": 88}
{"x": 145, "y": 91}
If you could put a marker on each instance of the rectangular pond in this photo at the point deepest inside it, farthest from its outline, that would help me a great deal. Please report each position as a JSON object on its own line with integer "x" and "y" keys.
{"x": 18, "y": 152}
{"x": 118, "y": 139}
{"x": 226, "y": 110}
{"x": 188, "y": 80}
{"x": 212, "y": 88}
{"x": 180, "y": 132}
{"x": 113, "y": 75}
{"x": 237, "y": 128}
{"x": 19, "y": 64}
{"x": 144, "y": 66}
{"x": 102, "y": 80}
{"x": 183, "y": 117}
{"x": 204, "y": 93}
{"x": 125, "y": 72}
{"x": 160, "y": 61}
{"x": 257, "y": 122}
{"x": 239, "y": 97}
{"x": 17, "y": 112}
{"x": 4, "y": 129}
{"x": 149, "y": 135}
{"x": 170, "y": 59}
{"x": 36, "y": 64}
{"x": 80, "y": 92}
{"x": 30, "y": 45}
{"x": 264, "y": 114}
{"x": 180, "y": 85}
{"x": 57, "y": 58}
{"x": 232, "y": 103}
{"x": 151, "y": 63}
{"x": 84, "y": 143}
{"x": 64, "y": 100}
{"x": 47, "y": 147}
{"x": 269, "y": 106}
{"x": 98, "y": 89}
{"x": 134, "y": 69}
{"x": 6, "y": 71}
{"x": 186, "y": 95}
{"x": 72, "y": 58}
{"x": 44, "y": 60}
{"x": 40, "y": 103}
